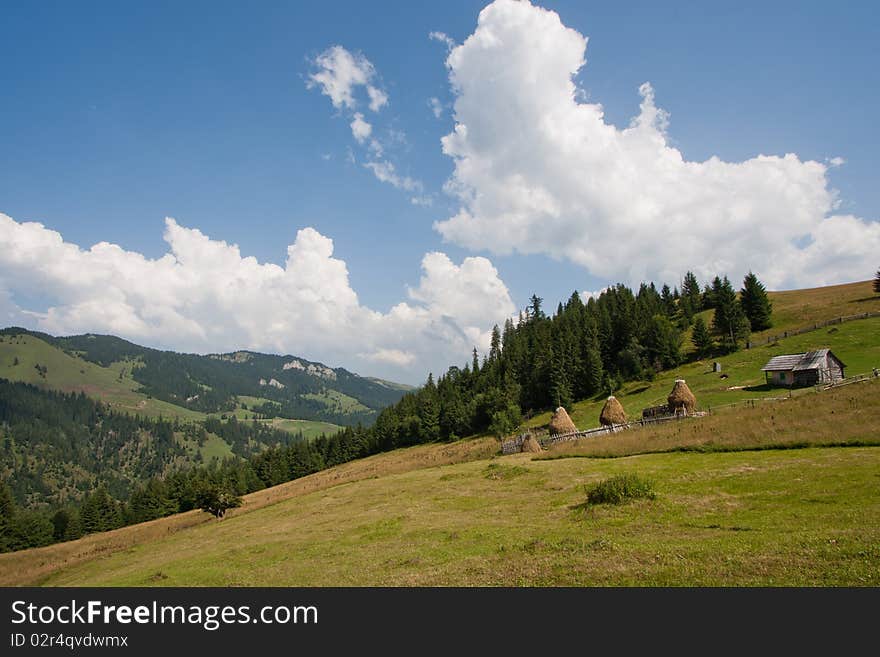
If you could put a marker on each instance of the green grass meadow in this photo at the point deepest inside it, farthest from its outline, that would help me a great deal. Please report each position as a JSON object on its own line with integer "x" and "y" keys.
{"x": 856, "y": 343}
{"x": 798, "y": 517}
{"x": 769, "y": 489}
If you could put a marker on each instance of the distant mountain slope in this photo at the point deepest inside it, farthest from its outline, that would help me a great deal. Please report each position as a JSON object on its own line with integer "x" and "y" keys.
{"x": 287, "y": 386}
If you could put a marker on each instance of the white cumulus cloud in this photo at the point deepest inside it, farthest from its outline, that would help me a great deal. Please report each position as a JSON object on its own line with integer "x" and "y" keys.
{"x": 360, "y": 129}
{"x": 552, "y": 176}
{"x": 203, "y": 295}
{"x": 339, "y": 73}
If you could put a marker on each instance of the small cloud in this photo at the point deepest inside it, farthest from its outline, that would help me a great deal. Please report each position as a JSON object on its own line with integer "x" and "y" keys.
{"x": 326, "y": 156}
{"x": 360, "y": 128}
{"x": 378, "y": 98}
{"x": 390, "y": 356}
{"x": 385, "y": 172}
{"x": 586, "y": 294}
{"x": 835, "y": 162}
{"x": 436, "y": 107}
{"x": 442, "y": 37}
{"x": 340, "y": 72}
{"x": 423, "y": 201}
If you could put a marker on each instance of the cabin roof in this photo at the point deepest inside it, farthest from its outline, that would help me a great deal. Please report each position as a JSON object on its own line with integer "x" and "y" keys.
{"x": 811, "y": 360}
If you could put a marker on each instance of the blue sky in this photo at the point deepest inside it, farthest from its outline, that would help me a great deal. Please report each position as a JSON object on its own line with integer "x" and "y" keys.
{"x": 116, "y": 117}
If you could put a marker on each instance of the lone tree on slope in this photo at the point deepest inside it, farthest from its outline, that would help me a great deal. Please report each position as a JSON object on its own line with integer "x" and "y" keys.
{"x": 217, "y": 500}
{"x": 755, "y": 303}
{"x": 877, "y": 282}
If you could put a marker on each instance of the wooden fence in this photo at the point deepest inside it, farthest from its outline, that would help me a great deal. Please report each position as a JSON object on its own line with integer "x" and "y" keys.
{"x": 514, "y": 445}
{"x": 806, "y": 329}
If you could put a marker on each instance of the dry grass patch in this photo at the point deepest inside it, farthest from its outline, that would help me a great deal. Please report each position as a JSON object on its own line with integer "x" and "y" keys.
{"x": 846, "y": 415}
{"x": 28, "y": 567}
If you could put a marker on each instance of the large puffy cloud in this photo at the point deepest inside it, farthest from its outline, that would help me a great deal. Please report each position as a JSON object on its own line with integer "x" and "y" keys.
{"x": 537, "y": 171}
{"x": 203, "y": 295}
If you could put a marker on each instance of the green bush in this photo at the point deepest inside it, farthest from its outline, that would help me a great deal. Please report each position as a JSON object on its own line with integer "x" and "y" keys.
{"x": 620, "y": 489}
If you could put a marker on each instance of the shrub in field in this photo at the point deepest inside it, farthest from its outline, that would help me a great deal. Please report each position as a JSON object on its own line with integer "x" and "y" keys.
{"x": 620, "y": 489}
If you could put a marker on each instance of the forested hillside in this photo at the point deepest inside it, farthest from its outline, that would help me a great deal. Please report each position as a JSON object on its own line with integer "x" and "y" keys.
{"x": 71, "y": 467}
{"x": 286, "y": 386}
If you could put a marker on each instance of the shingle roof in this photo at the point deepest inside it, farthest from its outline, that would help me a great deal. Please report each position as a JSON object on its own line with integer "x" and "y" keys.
{"x": 782, "y": 363}
{"x": 812, "y": 360}
{"x": 797, "y": 362}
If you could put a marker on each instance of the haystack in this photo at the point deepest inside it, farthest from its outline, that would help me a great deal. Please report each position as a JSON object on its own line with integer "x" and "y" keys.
{"x": 561, "y": 423}
{"x": 681, "y": 399}
{"x": 612, "y": 413}
{"x": 530, "y": 444}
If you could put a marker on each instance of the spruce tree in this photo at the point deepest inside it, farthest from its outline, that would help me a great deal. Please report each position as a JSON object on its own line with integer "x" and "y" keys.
{"x": 755, "y": 303}
{"x": 495, "y": 348}
{"x": 877, "y": 282}
{"x": 668, "y": 300}
{"x": 691, "y": 299}
{"x": 701, "y": 338}
{"x": 429, "y": 411}
{"x": 730, "y": 323}
{"x": 662, "y": 343}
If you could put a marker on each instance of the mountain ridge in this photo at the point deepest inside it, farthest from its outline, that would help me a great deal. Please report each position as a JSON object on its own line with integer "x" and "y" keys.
{"x": 289, "y": 386}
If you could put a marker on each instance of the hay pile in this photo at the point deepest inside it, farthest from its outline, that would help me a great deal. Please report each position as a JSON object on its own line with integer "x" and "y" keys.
{"x": 530, "y": 444}
{"x": 612, "y": 413}
{"x": 561, "y": 423}
{"x": 681, "y": 399}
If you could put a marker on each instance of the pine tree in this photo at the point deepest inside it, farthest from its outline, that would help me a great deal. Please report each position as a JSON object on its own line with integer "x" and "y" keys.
{"x": 668, "y": 300}
{"x": 429, "y": 411}
{"x": 495, "y": 345}
{"x": 701, "y": 338}
{"x": 662, "y": 343}
{"x": 877, "y": 282}
{"x": 534, "y": 309}
{"x": 755, "y": 303}
{"x": 730, "y": 323}
{"x": 32, "y": 529}
{"x": 691, "y": 301}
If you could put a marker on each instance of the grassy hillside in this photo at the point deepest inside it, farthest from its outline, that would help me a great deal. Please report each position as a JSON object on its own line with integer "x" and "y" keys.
{"x": 755, "y": 518}
{"x": 309, "y": 428}
{"x": 33, "y": 566}
{"x": 807, "y": 516}
{"x": 67, "y": 373}
{"x": 799, "y": 308}
{"x": 856, "y": 343}
{"x": 337, "y": 402}
{"x": 767, "y": 489}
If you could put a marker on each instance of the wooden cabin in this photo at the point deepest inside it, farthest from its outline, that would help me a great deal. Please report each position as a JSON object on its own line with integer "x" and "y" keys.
{"x": 809, "y": 369}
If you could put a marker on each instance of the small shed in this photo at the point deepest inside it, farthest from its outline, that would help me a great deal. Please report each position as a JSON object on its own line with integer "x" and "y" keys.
{"x": 807, "y": 369}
